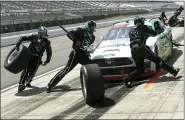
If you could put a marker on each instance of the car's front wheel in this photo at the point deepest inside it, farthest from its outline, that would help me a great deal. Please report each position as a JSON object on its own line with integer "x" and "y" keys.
{"x": 92, "y": 83}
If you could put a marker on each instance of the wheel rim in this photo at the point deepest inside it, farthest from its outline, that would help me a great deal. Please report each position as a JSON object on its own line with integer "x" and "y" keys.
{"x": 84, "y": 88}
{"x": 12, "y": 56}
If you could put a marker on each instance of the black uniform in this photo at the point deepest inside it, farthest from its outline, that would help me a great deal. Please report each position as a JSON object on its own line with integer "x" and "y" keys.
{"x": 178, "y": 11}
{"x": 37, "y": 48}
{"x": 79, "y": 54}
{"x": 140, "y": 51}
{"x": 163, "y": 17}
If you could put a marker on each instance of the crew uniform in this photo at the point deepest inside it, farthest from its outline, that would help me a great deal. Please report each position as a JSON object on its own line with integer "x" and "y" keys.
{"x": 178, "y": 11}
{"x": 39, "y": 44}
{"x": 140, "y": 51}
{"x": 82, "y": 38}
{"x": 163, "y": 17}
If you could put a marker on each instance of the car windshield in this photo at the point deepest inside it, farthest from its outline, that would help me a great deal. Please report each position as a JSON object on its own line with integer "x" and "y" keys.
{"x": 117, "y": 33}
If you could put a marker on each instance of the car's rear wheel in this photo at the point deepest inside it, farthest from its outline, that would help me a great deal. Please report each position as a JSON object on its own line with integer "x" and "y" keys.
{"x": 92, "y": 83}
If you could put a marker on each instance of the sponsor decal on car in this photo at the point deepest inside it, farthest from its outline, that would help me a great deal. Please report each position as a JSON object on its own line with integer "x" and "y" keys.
{"x": 108, "y": 55}
{"x": 114, "y": 45}
{"x": 110, "y": 50}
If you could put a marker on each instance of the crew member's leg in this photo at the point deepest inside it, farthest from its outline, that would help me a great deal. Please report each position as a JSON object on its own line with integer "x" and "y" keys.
{"x": 25, "y": 75}
{"x": 139, "y": 61}
{"x": 33, "y": 69}
{"x": 72, "y": 62}
{"x": 84, "y": 59}
{"x": 154, "y": 58}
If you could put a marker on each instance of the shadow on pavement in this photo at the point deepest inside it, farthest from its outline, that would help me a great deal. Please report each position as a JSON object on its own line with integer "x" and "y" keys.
{"x": 107, "y": 102}
{"x": 33, "y": 90}
{"x": 63, "y": 88}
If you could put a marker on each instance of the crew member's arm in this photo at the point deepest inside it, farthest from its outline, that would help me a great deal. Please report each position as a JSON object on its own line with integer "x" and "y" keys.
{"x": 165, "y": 17}
{"x": 150, "y": 32}
{"x": 26, "y": 38}
{"x": 48, "y": 52}
{"x": 74, "y": 35}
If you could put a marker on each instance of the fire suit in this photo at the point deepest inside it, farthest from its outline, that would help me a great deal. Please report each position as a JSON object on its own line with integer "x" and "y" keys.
{"x": 37, "y": 47}
{"x": 140, "y": 51}
{"x": 79, "y": 54}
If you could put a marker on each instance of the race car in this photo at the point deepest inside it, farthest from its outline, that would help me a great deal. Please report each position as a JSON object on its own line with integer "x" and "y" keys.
{"x": 113, "y": 53}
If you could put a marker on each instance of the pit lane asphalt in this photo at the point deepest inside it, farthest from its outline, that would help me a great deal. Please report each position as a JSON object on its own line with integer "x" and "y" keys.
{"x": 163, "y": 99}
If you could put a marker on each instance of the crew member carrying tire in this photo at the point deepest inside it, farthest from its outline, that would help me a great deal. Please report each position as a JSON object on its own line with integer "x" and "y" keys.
{"x": 140, "y": 51}
{"x": 39, "y": 44}
{"x": 82, "y": 38}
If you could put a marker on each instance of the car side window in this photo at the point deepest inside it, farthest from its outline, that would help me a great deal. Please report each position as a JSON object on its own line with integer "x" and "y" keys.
{"x": 158, "y": 26}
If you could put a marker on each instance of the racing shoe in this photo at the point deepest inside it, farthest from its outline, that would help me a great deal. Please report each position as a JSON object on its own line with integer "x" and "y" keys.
{"x": 28, "y": 84}
{"x": 176, "y": 71}
{"x": 48, "y": 89}
{"x": 21, "y": 88}
{"x": 128, "y": 83}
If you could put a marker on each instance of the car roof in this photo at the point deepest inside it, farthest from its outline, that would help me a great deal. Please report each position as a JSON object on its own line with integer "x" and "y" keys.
{"x": 130, "y": 23}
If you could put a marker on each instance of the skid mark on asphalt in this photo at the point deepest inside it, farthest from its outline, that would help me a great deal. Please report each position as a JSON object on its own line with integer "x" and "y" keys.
{"x": 24, "y": 106}
{"x": 81, "y": 108}
{"x": 114, "y": 94}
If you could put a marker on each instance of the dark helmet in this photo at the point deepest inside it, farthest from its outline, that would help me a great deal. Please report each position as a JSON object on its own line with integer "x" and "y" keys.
{"x": 181, "y": 7}
{"x": 163, "y": 13}
{"x": 138, "y": 20}
{"x": 90, "y": 23}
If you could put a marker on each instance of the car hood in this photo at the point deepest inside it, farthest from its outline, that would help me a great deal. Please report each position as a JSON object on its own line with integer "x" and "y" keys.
{"x": 112, "y": 49}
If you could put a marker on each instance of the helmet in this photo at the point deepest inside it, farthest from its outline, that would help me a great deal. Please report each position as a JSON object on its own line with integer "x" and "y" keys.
{"x": 181, "y": 7}
{"x": 138, "y": 20}
{"x": 42, "y": 31}
{"x": 89, "y": 24}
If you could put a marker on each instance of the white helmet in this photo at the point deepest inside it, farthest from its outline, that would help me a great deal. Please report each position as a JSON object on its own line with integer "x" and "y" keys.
{"x": 42, "y": 31}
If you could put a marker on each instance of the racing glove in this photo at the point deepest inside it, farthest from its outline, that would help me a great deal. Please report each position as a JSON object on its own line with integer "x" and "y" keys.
{"x": 90, "y": 50}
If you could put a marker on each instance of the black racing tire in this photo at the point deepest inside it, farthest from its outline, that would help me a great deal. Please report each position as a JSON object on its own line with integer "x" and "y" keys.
{"x": 92, "y": 84}
{"x": 17, "y": 60}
